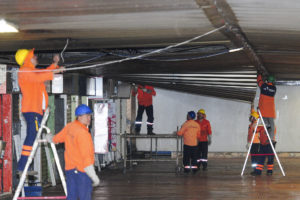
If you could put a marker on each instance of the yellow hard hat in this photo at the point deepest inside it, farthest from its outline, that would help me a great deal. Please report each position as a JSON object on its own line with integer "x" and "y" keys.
{"x": 201, "y": 111}
{"x": 21, "y": 55}
{"x": 255, "y": 115}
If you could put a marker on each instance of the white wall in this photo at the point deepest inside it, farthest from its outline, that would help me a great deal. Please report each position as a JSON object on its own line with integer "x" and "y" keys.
{"x": 229, "y": 119}
{"x": 287, "y": 103}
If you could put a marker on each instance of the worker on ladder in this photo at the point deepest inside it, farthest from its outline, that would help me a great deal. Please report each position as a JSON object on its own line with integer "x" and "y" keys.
{"x": 265, "y": 151}
{"x": 204, "y": 140}
{"x": 256, "y": 142}
{"x": 190, "y": 131}
{"x": 34, "y": 95}
{"x": 267, "y": 102}
{"x": 79, "y": 155}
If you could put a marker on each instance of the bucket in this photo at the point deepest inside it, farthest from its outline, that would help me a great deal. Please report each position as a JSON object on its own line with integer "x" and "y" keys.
{"x": 33, "y": 191}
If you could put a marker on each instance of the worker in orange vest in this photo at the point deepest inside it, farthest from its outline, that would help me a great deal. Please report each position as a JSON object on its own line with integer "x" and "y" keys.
{"x": 204, "y": 140}
{"x": 34, "y": 95}
{"x": 266, "y": 102}
{"x": 190, "y": 131}
{"x": 265, "y": 151}
{"x": 144, "y": 96}
{"x": 79, "y": 155}
{"x": 256, "y": 142}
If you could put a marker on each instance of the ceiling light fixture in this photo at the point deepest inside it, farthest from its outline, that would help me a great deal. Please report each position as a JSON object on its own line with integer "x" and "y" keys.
{"x": 6, "y": 27}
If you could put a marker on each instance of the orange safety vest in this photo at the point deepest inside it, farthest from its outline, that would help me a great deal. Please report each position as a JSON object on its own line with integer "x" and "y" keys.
{"x": 79, "y": 148}
{"x": 264, "y": 140}
{"x": 190, "y": 131}
{"x": 32, "y": 85}
{"x": 205, "y": 129}
{"x": 144, "y": 98}
{"x": 266, "y": 99}
{"x": 251, "y": 130}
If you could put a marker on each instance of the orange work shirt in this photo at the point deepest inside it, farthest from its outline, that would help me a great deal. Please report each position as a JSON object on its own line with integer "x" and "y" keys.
{"x": 205, "y": 130}
{"x": 264, "y": 140}
{"x": 144, "y": 98}
{"x": 79, "y": 148}
{"x": 32, "y": 86}
{"x": 191, "y": 132}
{"x": 250, "y": 132}
{"x": 266, "y": 102}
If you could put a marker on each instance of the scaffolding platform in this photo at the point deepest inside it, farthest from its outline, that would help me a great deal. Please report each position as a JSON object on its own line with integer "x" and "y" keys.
{"x": 153, "y": 153}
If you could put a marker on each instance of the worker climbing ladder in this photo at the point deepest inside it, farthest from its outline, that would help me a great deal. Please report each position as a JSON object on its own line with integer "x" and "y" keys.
{"x": 273, "y": 149}
{"x": 31, "y": 156}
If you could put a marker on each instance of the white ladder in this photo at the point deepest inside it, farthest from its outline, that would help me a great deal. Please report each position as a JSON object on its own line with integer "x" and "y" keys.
{"x": 271, "y": 143}
{"x": 31, "y": 156}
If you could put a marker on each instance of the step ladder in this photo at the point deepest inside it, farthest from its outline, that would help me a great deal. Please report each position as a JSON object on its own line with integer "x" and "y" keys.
{"x": 261, "y": 118}
{"x": 31, "y": 156}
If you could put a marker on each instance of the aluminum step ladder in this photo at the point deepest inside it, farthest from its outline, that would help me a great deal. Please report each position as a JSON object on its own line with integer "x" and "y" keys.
{"x": 261, "y": 118}
{"x": 32, "y": 154}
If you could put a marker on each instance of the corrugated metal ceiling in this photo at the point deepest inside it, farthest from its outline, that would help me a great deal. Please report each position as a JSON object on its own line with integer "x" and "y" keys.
{"x": 100, "y": 31}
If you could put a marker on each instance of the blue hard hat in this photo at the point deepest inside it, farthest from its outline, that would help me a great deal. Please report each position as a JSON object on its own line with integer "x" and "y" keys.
{"x": 82, "y": 110}
{"x": 192, "y": 114}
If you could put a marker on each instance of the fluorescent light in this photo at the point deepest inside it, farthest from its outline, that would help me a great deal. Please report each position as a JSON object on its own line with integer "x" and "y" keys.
{"x": 6, "y": 27}
{"x": 234, "y": 50}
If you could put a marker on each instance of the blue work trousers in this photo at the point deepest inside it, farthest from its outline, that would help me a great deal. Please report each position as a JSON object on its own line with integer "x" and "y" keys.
{"x": 33, "y": 122}
{"x": 79, "y": 185}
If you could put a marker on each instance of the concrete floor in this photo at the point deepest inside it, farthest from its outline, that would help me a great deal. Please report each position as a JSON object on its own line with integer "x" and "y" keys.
{"x": 158, "y": 180}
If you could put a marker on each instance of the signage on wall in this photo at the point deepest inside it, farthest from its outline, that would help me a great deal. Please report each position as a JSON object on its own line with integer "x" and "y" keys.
{"x": 105, "y": 139}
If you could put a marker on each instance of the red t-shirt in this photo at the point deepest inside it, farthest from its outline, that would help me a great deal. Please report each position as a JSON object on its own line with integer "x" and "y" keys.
{"x": 205, "y": 129}
{"x": 144, "y": 98}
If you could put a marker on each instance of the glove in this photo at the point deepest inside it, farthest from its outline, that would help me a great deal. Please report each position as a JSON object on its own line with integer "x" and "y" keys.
{"x": 209, "y": 139}
{"x": 90, "y": 171}
{"x": 247, "y": 145}
{"x": 49, "y": 137}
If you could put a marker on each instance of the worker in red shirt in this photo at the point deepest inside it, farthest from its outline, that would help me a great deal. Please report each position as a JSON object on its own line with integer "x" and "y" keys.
{"x": 144, "y": 95}
{"x": 265, "y": 151}
{"x": 34, "y": 95}
{"x": 190, "y": 131}
{"x": 256, "y": 142}
{"x": 204, "y": 139}
{"x": 79, "y": 155}
{"x": 266, "y": 102}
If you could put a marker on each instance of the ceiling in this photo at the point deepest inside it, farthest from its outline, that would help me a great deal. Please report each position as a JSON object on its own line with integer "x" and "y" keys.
{"x": 185, "y": 45}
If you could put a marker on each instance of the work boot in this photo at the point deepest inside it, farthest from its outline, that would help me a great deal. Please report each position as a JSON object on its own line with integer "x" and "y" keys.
{"x": 198, "y": 165}
{"x": 255, "y": 173}
{"x": 204, "y": 166}
{"x": 269, "y": 172}
{"x": 150, "y": 132}
{"x": 137, "y": 131}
